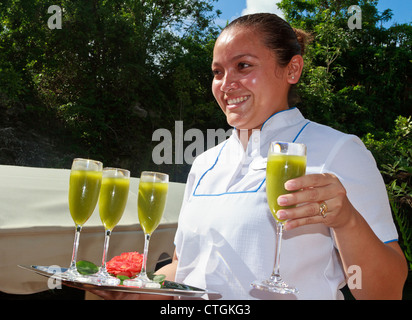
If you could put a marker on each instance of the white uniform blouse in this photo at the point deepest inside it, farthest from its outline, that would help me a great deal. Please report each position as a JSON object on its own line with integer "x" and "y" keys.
{"x": 226, "y": 233}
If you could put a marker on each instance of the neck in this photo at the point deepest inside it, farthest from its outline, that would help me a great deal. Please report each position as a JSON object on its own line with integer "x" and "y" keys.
{"x": 244, "y": 136}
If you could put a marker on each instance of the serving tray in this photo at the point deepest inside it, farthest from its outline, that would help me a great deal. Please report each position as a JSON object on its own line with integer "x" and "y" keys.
{"x": 172, "y": 288}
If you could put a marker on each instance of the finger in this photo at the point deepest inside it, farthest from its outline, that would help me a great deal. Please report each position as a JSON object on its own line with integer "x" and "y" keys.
{"x": 115, "y": 295}
{"x": 317, "y": 194}
{"x": 312, "y": 209}
{"x": 310, "y": 180}
{"x": 292, "y": 224}
{"x": 307, "y": 210}
{"x": 307, "y": 214}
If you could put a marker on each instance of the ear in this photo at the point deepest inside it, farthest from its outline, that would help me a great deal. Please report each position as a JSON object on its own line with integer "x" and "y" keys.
{"x": 295, "y": 68}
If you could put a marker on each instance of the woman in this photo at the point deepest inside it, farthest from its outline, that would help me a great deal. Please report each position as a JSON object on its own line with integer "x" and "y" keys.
{"x": 226, "y": 234}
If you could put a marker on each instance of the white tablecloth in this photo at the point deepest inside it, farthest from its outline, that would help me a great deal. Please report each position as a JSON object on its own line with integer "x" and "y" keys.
{"x": 36, "y": 227}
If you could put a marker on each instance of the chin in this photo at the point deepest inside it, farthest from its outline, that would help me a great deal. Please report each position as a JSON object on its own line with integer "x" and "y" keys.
{"x": 235, "y": 123}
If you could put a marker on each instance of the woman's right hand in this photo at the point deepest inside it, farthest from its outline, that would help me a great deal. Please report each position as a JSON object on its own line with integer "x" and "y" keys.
{"x": 117, "y": 295}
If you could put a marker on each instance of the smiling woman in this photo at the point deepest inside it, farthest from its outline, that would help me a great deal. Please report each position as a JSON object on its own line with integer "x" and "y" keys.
{"x": 337, "y": 217}
{"x": 254, "y": 78}
{"x": 225, "y": 239}
{"x": 244, "y": 69}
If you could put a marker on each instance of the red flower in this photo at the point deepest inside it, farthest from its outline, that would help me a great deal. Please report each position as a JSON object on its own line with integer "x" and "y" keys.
{"x": 127, "y": 264}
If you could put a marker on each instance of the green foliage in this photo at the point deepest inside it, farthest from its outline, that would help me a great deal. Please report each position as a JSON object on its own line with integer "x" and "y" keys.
{"x": 354, "y": 80}
{"x": 115, "y": 71}
{"x": 393, "y": 153}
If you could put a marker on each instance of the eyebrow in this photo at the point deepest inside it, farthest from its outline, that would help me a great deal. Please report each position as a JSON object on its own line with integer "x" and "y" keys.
{"x": 237, "y": 57}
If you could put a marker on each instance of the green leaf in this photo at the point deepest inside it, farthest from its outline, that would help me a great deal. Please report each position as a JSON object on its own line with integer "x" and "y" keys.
{"x": 86, "y": 267}
{"x": 122, "y": 278}
{"x": 159, "y": 278}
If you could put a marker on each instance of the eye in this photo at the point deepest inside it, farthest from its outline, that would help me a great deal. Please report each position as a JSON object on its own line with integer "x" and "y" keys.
{"x": 216, "y": 72}
{"x": 243, "y": 65}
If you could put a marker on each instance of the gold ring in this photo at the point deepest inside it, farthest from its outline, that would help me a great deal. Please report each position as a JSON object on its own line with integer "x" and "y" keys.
{"x": 323, "y": 209}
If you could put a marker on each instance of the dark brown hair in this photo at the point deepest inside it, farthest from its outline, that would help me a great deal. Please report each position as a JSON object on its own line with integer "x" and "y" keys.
{"x": 278, "y": 36}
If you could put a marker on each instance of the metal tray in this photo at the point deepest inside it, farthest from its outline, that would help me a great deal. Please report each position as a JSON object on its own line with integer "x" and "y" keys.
{"x": 188, "y": 291}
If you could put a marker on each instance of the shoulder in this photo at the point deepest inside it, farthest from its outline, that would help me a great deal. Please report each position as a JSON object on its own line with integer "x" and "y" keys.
{"x": 328, "y": 134}
{"x": 325, "y": 145}
{"x": 346, "y": 156}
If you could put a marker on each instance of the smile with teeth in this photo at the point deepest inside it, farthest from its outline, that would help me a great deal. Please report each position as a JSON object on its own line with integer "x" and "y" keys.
{"x": 237, "y": 100}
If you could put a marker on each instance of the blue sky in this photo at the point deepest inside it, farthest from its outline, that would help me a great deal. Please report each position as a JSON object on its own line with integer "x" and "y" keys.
{"x": 231, "y": 9}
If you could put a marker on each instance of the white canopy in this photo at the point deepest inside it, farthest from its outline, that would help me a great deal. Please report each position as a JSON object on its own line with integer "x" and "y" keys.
{"x": 36, "y": 227}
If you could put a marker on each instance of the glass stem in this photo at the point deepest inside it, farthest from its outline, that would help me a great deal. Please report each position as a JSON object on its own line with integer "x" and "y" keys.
{"x": 276, "y": 269}
{"x": 145, "y": 251}
{"x": 75, "y": 247}
{"x": 105, "y": 249}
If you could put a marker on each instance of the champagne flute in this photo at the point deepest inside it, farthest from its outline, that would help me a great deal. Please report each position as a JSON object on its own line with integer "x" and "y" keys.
{"x": 85, "y": 182}
{"x": 286, "y": 161}
{"x": 153, "y": 187}
{"x": 112, "y": 202}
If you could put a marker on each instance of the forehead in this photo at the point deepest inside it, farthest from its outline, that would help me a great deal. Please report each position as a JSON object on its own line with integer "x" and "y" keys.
{"x": 240, "y": 41}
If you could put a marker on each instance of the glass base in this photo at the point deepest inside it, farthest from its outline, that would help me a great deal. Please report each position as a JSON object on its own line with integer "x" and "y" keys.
{"x": 133, "y": 283}
{"x": 103, "y": 278}
{"x": 274, "y": 284}
{"x": 141, "y": 282}
{"x": 72, "y": 274}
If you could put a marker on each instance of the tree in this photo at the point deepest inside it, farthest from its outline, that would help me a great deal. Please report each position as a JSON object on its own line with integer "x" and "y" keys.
{"x": 114, "y": 71}
{"x": 355, "y": 80}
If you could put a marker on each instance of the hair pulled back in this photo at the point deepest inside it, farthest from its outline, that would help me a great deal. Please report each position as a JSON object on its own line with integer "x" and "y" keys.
{"x": 278, "y": 36}
{"x": 276, "y": 33}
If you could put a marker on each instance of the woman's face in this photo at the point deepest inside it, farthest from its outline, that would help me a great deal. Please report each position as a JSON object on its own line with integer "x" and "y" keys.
{"x": 248, "y": 83}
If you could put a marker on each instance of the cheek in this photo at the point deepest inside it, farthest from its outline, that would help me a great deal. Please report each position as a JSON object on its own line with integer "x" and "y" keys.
{"x": 251, "y": 82}
{"x": 215, "y": 89}
{"x": 253, "y": 86}
{"x": 218, "y": 95}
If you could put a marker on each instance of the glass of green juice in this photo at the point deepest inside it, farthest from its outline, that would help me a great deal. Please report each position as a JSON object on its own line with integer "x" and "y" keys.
{"x": 84, "y": 188}
{"x": 114, "y": 193}
{"x": 151, "y": 201}
{"x": 286, "y": 161}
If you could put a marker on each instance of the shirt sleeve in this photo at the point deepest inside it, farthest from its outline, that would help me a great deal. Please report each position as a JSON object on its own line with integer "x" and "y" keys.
{"x": 356, "y": 168}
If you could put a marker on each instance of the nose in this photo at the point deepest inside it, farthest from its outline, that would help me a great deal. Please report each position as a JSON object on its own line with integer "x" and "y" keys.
{"x": 229, "y": 82}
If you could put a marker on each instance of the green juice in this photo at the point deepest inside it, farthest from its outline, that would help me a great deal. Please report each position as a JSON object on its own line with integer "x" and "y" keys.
{"x": 151, "y": 203}
{"x": 113, "y": 198}
{"x": 281, "y": 168}
{"x": 83, "y": 194}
